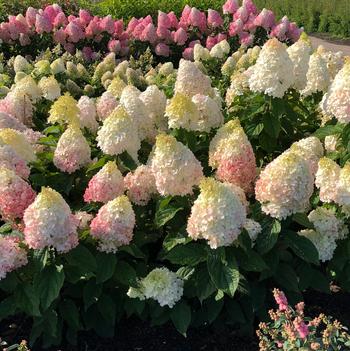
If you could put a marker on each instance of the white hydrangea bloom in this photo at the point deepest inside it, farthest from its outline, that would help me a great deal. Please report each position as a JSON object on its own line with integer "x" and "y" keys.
{"x": 20, "y": 64}
{"x": 191, "y": 81}
{"x": 136, "y": 109}
{"x": 217, "y": 215}
{"x": 50, "y": 88}
{"x": 57, "y": 66}
{"x": 337, "y": 101}
{"x": 118, "y": 134}
{"x": 87, "y": 113}
{"x": 272, "y": 73}
{"x": 28, "y": 86}
{"x": 200, "y": 53}
{"x": 317, "y": 77}
{"x": 155, "y": 101}
{"x": 220, "y": 50}
{"x": 161, "y": 285}
{"x": 174, "y": 166}
{"x": 300, "y": 53}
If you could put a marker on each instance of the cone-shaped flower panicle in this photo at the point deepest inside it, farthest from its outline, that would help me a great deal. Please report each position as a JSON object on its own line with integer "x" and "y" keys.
{"x": 327, "y": 178}
{"x": 114, "y": 224}
{"x": 337, "y": 100}
{"x": 72, "y": 151}
{"x": 134, "y": 106}
{"x": 18, "y": 142}
{"x": 300, "y": 53}
{"x": 174, "y": 166}
{"x": 154, "y": 101}
{"x": 87, "y": 113}
{"x": 231, "y": 154}
{"x": 217, "y": 215}
{"x": 317, "y": 77}
{"x": 105, "y": 105}
{"x": 64, "y": 111}
{"x": 11, "y": 160}
{"x": 50, "y": 88}
{"x": 119, "y": 134}
{"x": 15, "y": 194}
{"x": 310, "y": 149}
{"x": 140, "y": 185}
{"x": 272, "y": 73}
{"x": 49, "y": 222}
{"x": 285, "y": 186}
{"x": 12, "y": 256}
{"x": 105, "y": 185}
{"x": 162, "y": 285}
{"x": 191, "y": 81}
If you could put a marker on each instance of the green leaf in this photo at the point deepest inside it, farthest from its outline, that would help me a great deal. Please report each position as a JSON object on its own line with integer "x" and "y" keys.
{"x": 322, "y": 132}
{"x": 49, "y": 283}
{"x": 27, "y": 299}
{"x": 223, "y": 270}
{"x": 286, "y": 277}
{"x": 190, "y": 254}
{"x": 302, "y": 247}
{"x": 125, "y": 274}
{"x": 302, "y": 219}
{"x": 70, "y": 314}
{"x": 166, "y": 211}
{"x": 91, "y": 293}
{"x": 251, "y": 261}
{"x": 199, "y": 284}
{"x": 176, "y": 238}
{"x": 268, "y": 237}
{"x": 106, "y": 264}
{"x": 107, "y": 307}
{"x": 132, "y": 250}
{"x": 82, "y": 257}
{"x": 181, "y": 316}
{"x": 99, "y": 164}
{"x": 7, "y": 307}
{"x": 272, "y": 125}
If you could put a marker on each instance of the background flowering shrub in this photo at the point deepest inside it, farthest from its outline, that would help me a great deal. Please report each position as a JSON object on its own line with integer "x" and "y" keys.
{"x": 177, "y": 192}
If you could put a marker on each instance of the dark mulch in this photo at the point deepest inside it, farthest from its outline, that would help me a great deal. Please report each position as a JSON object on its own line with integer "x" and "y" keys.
{"x": 137, "y": 335}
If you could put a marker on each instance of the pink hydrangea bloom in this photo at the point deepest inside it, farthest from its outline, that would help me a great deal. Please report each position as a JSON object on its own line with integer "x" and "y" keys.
{"x": 12, "y": 256}
{"x": 214, "y": 19}
{"x": 31, "y": 16}
{"x": 149, "y": 34}
{"x": 211, "y": 42}
{"x": 265, "y": 19}
{"x": 15, "y": 194}
{"x": 163, "y": 20}
{"x": 105, "y": 185}
{"x": 180, "y": 36}
{"x": 162, "y": 50}
{"x": 187, "y": 54}
{"x": 230, "y": 7}
{"x": 107, "y": 24}
{"x": 105, "y": 105}
{"x": 85, "y": 16}
{"x": 74, "y": 32}
{"x": 42, "y": 24}
{"x": 72, "y": 151}
{"x": 140, "y": 185}
{"x": 231, "y": 154}
{"x": 49, "y": 222}
{"x": 114, "y": 224}
{"x": 301, "y": 327}
{"x": 235, "y": 28}
{"x": 11, "y": 160}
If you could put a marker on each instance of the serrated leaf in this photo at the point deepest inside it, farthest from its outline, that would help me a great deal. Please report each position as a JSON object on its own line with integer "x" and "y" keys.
{"x": 223, "y": 271}
{"x": 268, "y": 237}
{"x": 82, "y": 257}
{"x": 70, "y": 314}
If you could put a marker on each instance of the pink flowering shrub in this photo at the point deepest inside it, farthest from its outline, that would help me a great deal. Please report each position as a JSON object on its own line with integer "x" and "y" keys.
{"x": 167, "y": 35}
{"x": 290, "y": 329}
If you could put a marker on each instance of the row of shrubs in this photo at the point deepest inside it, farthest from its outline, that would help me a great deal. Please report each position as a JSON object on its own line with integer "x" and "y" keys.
{"x": 323, "y": 16}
